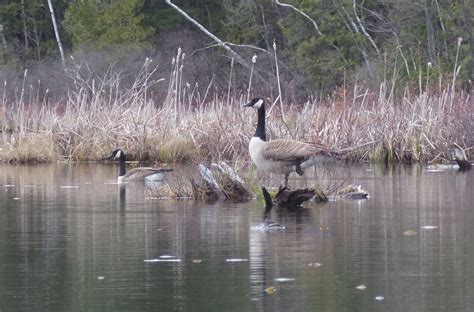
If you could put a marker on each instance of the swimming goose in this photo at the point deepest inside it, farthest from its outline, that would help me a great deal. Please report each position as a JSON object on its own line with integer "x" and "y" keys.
{"x": 137, "y": 174}
{"x": 281, "y": 156}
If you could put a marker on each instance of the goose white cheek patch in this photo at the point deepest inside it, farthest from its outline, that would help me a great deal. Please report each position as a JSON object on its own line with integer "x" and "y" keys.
{"x": 119, "y": 153}
{"x": 258, "y": 104}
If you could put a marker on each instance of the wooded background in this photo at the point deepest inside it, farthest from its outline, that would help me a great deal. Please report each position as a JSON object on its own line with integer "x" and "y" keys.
{"x": 320, "y": 44}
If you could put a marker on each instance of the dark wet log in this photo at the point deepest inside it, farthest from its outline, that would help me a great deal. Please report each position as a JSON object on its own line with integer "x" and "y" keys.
{"x": 460, "y": 157}
{"x": 288, "y": 198}
{"x": 267, "y": 198}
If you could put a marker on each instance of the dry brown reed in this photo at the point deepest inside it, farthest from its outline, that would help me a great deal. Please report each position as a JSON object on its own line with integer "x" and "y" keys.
{"x": 418, "y": 124}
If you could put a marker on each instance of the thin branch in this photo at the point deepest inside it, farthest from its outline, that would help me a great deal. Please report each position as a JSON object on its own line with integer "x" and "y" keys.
{"x": 233, "y": 45}
{"x": 243, "y": 46}
{"x": 302, "y": 13}
{"x": 372, "y": 42}
{"x": 314, "y": 24}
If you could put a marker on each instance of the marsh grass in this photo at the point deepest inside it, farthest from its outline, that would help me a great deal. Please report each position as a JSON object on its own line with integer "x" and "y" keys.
{"x": 99, "y": 114}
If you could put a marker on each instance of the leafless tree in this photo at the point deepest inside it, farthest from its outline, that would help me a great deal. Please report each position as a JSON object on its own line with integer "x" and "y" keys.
{"x": 56, "y": 32}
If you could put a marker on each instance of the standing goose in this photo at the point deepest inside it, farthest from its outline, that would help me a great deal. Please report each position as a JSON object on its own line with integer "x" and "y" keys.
{"x": 137, "y": 174}
{"x": 281, "y": 156}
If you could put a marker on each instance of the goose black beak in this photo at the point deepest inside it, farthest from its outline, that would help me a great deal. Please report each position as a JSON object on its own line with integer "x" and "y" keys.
{"x": 109, "y": 157}
{"x": 249, "y": 104}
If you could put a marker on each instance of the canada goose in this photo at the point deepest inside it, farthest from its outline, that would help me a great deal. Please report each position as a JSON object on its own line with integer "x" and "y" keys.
{"x": 137, "y": 174}
{"x": 281, "y": 156}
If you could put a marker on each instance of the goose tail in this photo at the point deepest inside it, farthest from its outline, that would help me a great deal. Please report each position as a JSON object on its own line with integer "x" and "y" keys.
{"x": 323, "y": 157}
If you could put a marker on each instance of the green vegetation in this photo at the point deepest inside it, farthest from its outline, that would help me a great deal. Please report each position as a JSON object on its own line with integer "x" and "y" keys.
{"x": 101, "y": 24}
{"x": 322, "y": 44}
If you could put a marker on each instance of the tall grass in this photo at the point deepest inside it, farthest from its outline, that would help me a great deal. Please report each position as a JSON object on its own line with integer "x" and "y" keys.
{"x": 185, "y": 126}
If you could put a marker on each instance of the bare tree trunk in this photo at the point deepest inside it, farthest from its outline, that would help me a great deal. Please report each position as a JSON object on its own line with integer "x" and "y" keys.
{"x": 221, "y": 43}
{"x": 4, "y": 44}
{"x": 445, "y": 44}
{"x": 430, "y": 31}
{"x": 353, "y": 29}
{"x": 362, "y": 28}
{"x": 25, "y": 31}
{"x": 56, "y": 32}
{"x": 37, "y": 40}
{"x": 468, "y": 27}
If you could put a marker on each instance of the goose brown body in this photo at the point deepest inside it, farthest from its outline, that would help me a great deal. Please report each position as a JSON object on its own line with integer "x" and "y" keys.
{"x": 137, "y": 174}
{"x": 281, "y": 156}
{"x": 142, "y": 173}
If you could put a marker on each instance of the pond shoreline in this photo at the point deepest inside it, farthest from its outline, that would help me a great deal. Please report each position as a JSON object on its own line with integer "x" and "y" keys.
{"x": 368, "y": 128}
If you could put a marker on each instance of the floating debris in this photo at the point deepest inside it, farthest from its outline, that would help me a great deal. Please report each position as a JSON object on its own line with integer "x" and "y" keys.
{"x": 100, "y": 278}
{"x": 69, "y": 186}
{"x": 159, "y": 229}
{"x": 236, "y": 260}
{"x": 441, "y": 167}
{"x": 429, "y": 227}
{"x": 379, "y": 298}
{"x": 166, "y": 257}
{"x": 87, "y": 183}
{"x": 314, "y": 264}
{"x": 352, "y": 191}
{"x": 410, "y": 233}
{"x": 269, "y": 226}
{"x": 361, "y": 287}
{"x": 197, "y": 260}
{"x": 270, "y": 290}
{"x": 161, "y": 260}
{"x": 324, "y": 228}
{"x": 113, "y": 182}
{"x": 9, "y": 185}
{"x": 16, "y": 198}
{"x": 284, "y": 279}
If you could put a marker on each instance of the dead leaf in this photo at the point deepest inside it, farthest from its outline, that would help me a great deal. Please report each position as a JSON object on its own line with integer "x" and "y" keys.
{"x": 270, "y": 290}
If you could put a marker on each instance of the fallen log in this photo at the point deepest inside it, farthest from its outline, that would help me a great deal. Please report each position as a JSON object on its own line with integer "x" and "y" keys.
{"x": 220, "y": 182}
{"x": 295, "y": 198}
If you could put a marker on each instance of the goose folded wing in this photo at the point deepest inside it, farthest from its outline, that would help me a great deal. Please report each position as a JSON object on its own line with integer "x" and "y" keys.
{"x": 144, "y": 172}
{"x": 289, "y": 150}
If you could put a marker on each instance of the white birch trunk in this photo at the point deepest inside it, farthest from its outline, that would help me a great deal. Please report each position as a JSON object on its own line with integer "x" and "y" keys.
{"x": 56, "y": 32}
{"x": 4, "y": 44}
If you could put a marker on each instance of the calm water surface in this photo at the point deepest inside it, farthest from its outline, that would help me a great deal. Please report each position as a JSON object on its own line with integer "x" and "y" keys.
{"x": 70, "y": 240}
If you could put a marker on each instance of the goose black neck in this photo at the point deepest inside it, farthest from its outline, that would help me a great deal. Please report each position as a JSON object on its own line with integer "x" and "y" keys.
{"x": 260, "y": 132}
{"x": 122, "y": 166}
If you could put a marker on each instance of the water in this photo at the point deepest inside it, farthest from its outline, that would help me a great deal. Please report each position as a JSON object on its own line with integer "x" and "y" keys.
{"x": 71, "y": 240}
